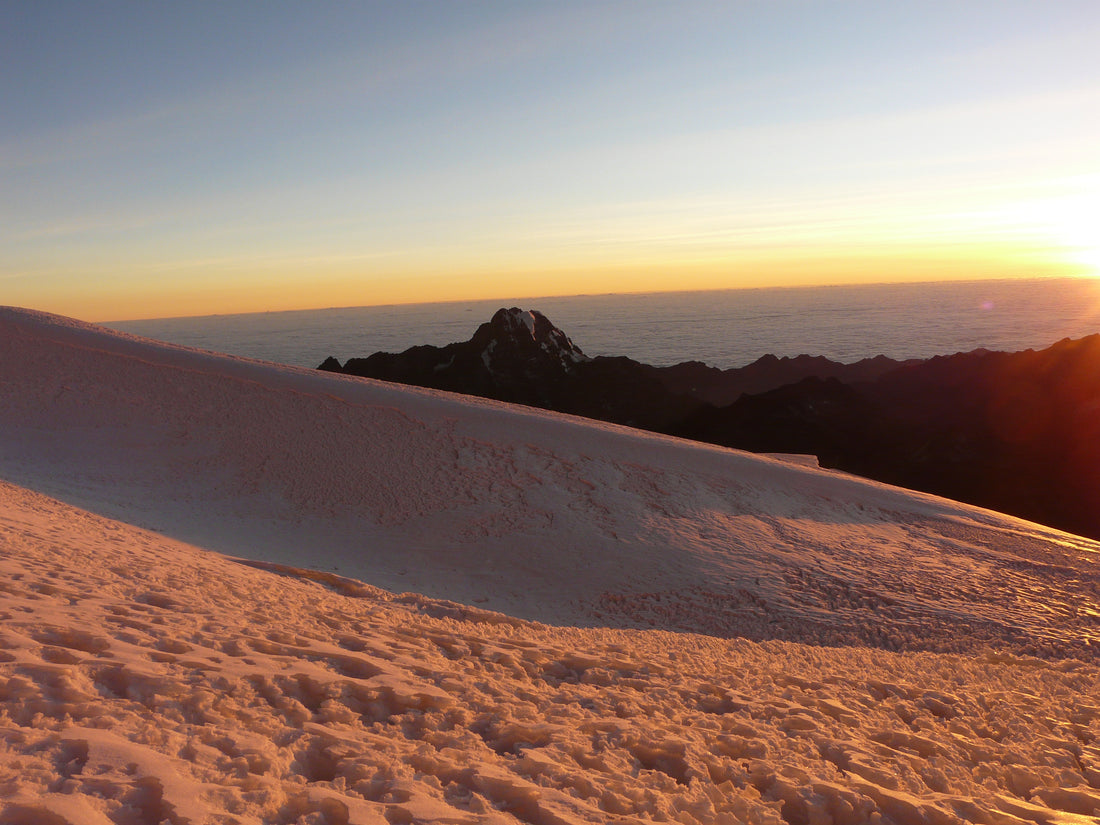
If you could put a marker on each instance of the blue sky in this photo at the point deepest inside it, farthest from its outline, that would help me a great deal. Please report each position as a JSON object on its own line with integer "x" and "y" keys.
{"x": 167, "y": 159}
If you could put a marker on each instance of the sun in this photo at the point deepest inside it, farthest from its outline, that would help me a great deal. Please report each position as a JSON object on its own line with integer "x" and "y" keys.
{"x": 1088, "y": 257}
{"x": 1070, "y": 222}
{"x": 1062, "y": 222}
{"x": 1078, "y": 230}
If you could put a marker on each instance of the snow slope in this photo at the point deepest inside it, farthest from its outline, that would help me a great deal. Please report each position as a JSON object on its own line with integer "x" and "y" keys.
{"x": 537, "y": 515}
{"x": 146, "y": 681}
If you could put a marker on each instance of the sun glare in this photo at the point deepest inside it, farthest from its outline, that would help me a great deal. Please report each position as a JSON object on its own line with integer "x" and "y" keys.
{"x": 1077, "y": 229}
{"x": 1069, "y": 221}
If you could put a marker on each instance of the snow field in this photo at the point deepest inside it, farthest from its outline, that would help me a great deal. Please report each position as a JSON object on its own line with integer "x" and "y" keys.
{"x": 537, "y": 515}
{"x": 900, "y": 658}
{"x": 142, "y": 680}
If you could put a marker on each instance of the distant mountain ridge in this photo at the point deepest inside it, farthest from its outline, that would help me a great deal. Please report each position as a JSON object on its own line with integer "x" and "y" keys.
{"x": 521, "y": 357}
{"x": 1015, "y": 432}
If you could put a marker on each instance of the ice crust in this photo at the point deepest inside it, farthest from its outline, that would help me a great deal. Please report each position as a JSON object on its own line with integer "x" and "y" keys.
{"x": 143, "y": 679}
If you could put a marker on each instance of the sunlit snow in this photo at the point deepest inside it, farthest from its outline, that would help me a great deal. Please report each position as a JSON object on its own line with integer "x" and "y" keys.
{"x": 828, "y": 649}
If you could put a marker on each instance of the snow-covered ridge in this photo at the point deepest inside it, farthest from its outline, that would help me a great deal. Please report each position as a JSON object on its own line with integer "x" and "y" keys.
{"x": 534, "y": 514}
{"x": 146, "y": 680}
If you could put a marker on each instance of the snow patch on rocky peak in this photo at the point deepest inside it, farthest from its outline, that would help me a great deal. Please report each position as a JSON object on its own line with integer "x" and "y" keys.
{"x": 525, "y": 327}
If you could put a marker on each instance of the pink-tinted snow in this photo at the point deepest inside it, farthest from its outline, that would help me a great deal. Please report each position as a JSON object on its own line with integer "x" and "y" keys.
{"x": 147, "y": 680}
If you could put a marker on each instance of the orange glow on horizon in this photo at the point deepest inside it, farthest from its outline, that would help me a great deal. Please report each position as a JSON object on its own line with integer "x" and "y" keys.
{"x": 276, "y": 288}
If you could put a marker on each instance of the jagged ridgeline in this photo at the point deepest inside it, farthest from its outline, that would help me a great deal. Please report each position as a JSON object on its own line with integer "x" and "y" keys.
{"x": 521, "y": 357}
{"x": 1015, "y": 432}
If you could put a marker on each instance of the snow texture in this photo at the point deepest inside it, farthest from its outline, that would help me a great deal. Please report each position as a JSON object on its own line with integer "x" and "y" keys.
{"x": 900, "y": 658}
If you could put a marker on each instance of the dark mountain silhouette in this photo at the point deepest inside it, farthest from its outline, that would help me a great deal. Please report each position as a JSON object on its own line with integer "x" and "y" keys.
{"x": 521, "y": 357}
{"x": 722, "y": 387}
{"x": 1015, "y": 432}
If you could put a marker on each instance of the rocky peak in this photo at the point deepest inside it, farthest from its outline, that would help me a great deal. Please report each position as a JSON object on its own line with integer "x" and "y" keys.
{"x": 528, "y": 335}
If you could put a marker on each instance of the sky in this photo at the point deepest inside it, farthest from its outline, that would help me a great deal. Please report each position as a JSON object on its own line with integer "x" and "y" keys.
{"x": 169, "y": 159}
